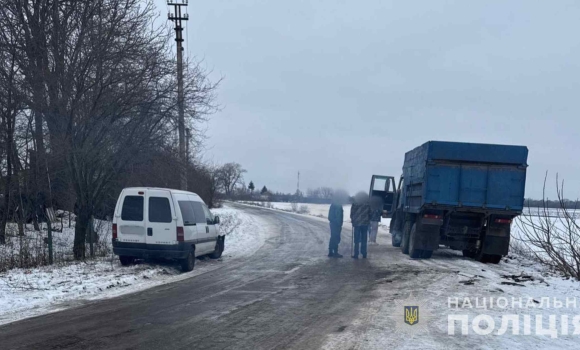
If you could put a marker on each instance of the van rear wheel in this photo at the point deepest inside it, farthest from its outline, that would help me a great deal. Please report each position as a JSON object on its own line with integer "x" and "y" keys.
{"x": 188, "y": 263}
{"x": 219, "y": 248}
{"x": 126, "y": 260}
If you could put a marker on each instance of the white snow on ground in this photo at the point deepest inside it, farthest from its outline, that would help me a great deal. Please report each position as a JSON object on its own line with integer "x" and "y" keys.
{"x": 449, "y": 275}
{"x": 318, "y": 210}
{"x": 31, "y": 292}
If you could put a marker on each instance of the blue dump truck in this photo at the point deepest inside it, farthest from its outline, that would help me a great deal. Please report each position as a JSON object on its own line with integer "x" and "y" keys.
{"x": 460, "y": 195}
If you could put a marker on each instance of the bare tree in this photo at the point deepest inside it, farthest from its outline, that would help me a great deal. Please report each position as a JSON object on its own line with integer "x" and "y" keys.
{"x": 230, "y": 176}
{"x": 326, "y": 192}
{"x": 552, "y": 236}
{"x": 10, "y": 106}
{"x": 313, "y": 193}
{"x": 100, "y": 76}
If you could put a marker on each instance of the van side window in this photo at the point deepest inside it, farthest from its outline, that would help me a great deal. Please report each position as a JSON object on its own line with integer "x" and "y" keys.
{"x": 199, "y": 213}
{"x": 159, "y": 210}
{"x": 187, "y": 212}
{"x": 208, "y": 215}
{"x": 132, "y": 208}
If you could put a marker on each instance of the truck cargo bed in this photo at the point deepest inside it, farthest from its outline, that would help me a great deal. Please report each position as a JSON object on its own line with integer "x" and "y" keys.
{"x": 465, "y": 175}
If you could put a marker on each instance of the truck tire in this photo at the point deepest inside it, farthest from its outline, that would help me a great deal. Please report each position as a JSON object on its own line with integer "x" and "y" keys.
{"x": 395, "y": 231}
{"x": 467, "y": 253}
{"x": 219, "y": 248}
{"x": 188, "y": 263}
{"x": 126, "y": 260}
{"x": 413, "y": 252}
{"x": 405, "y": 239}
{"x": 396, "y": 239}
{"x": 426, "y": 254}
{"x": 493, "y": 259}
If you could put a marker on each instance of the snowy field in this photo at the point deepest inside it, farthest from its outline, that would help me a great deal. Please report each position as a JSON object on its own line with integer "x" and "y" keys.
{"x": 34, "y": 291}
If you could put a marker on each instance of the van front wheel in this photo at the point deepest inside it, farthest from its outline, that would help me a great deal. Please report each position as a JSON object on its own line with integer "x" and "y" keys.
{"x": 188, "y": 263}
{"x": 219, "y": 248}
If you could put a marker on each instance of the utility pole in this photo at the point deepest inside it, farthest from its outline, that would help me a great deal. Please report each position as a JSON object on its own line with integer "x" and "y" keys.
{"x": 177, "y": 17}
{"x": 298, "y": 185}
{"x": 188, "y": 141}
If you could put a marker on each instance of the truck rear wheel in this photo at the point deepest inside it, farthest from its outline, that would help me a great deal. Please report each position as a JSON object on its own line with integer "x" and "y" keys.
{"x": 405, "y": 239}
{"x": 493, "y": 259}
{"x": 414, "y": 253}
{"x": 427, "y": 254}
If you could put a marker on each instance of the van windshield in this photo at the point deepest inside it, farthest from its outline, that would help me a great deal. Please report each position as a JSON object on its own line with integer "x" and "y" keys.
{"x": 132, "y": 208}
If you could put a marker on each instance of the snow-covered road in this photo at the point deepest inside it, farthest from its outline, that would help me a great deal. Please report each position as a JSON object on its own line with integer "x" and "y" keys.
{"x": 31, "y": 292}
{"x": 289, "y": 295}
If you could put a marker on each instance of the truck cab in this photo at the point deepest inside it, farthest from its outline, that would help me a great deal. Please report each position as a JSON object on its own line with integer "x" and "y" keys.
{"x": 383, "y": 193}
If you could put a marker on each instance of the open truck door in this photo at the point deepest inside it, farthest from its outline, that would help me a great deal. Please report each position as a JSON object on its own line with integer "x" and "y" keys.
{"x": 383, "y": 191}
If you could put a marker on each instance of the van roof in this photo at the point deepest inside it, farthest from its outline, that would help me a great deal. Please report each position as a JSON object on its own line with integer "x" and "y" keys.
{"x": 173, "y": 191}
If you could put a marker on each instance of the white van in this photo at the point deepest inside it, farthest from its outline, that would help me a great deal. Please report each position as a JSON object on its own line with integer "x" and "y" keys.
{"x": 164, "y": 223}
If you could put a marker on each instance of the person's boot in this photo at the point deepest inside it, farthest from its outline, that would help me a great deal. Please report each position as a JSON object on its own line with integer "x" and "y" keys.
{"x": 330, "y": 253}
{"x": 336, "y": 255}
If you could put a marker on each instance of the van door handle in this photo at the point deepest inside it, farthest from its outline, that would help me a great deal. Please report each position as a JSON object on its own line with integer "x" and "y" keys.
{"x": 207, "y": 229}
{"x": 149, "y": 231}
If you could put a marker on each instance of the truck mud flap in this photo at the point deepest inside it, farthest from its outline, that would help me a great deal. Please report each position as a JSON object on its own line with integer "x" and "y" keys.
{"x": 494, "y": 245}
{"x": 428, "y": 237}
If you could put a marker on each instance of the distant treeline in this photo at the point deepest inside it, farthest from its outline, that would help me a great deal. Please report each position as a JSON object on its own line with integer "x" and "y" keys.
{"x": 546, "y": 203}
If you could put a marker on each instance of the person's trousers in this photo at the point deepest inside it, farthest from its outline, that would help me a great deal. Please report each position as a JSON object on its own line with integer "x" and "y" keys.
{"x": 374, "y": 230}
{"x": 335, "y": 229}
{"x": 360, "y": 240}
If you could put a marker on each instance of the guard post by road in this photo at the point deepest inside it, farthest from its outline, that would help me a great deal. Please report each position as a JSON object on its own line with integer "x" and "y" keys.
{"x": 50, "y": 218}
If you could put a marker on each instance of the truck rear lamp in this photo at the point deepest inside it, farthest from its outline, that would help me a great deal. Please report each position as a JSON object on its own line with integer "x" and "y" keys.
{"x": 141, "y": 192}
{"x": 114, "y": 231}
{"x": 180, "y": 234}
{"x": 503, "y": 221}
{"x": 433, "y": 216}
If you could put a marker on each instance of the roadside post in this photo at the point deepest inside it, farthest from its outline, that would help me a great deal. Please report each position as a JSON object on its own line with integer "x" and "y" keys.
{"x": 50, "y": 218}
{"x": 91, "y": 235}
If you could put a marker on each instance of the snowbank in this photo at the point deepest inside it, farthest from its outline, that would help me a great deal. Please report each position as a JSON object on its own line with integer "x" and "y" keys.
{"x": 31, "y": 292}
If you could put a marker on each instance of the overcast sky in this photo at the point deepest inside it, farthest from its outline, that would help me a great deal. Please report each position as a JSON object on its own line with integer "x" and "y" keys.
{"x": 340, "y": 90}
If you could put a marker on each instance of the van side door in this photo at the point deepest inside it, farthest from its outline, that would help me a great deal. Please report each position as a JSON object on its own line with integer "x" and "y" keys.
{"x": 161, "y": 226}
{"x": 203, "y": 243}
{"x": 188, "y": 217}
{"x": 213, "y": 232}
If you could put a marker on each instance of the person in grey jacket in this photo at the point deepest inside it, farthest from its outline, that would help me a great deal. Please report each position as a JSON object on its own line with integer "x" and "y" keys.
{"x": 335, "y": 216}
{"x": 360, "y": 215}
{"x": 374, "y": 228}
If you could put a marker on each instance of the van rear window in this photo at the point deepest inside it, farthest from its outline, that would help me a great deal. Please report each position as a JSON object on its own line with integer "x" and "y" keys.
{"x": 132, "y": 208}
{"x": 159, "y": 210}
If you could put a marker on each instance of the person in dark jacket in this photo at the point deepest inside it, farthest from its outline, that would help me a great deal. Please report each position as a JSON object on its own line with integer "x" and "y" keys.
{"x": 360, "y": 215}
{"x": 335, "y": 216}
